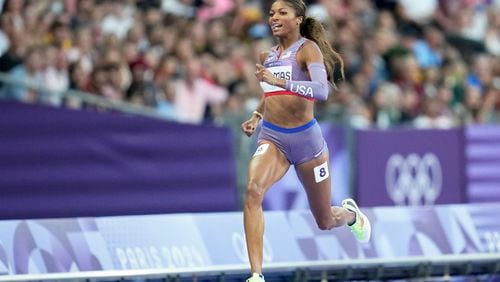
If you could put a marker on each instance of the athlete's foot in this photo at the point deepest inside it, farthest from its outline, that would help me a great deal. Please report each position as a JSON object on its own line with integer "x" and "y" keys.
{"x": 256, "y": 277}
{"x": 361, "y": 228}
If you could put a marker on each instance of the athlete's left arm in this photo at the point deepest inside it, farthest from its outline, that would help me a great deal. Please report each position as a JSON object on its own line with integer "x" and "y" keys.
{"x": 310, "y": 55}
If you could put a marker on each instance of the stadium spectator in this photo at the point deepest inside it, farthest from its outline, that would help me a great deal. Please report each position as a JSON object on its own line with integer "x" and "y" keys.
{"x": 29, "y": 71}
{"x": 381, "y": 42}
{"x": 194, "y": 93}
{"x": 55, "y": 75}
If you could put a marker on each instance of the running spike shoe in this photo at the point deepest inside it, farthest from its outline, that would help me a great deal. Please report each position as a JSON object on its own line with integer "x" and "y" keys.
{"x": 361, "y": 228}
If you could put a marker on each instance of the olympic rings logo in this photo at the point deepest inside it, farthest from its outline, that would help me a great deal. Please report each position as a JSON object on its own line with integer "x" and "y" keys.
{"x": 413, "y": 180}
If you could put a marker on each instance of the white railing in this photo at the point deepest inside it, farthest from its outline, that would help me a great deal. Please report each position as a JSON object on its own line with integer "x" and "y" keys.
{"x": 398, "y": 268}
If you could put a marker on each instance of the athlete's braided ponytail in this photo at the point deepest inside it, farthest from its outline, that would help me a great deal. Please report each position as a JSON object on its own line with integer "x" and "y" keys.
{"x": 313, "y": 30}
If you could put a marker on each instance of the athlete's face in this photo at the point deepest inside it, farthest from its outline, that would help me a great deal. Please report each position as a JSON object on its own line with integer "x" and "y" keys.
{"x": 283, "y": 19}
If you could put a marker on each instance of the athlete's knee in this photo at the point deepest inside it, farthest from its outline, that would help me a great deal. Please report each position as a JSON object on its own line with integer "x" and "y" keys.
{"x": 327, "y": 221}
{"x": 337, "y": 217}
{"x": 254, "y": 193}
{"x": 324, "y": 223}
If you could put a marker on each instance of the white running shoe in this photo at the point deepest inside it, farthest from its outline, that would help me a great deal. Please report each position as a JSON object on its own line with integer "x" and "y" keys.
{"x": 361, "y": 228}
{"x": 256, "y": 277}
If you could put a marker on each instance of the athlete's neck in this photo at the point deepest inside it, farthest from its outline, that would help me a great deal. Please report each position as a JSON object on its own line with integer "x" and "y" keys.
{"x": 284, "y": 42}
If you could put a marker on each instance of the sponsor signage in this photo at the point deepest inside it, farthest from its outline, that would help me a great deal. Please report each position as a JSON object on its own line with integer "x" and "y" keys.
{"x": 194, "y": 241}
{"x": 409, "y": 167}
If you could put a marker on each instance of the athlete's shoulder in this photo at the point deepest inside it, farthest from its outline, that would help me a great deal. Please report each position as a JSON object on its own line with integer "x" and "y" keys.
{"x": 309, "y": 51}
{"x": 263, "y": 56}
{"x": 309, "y": 46}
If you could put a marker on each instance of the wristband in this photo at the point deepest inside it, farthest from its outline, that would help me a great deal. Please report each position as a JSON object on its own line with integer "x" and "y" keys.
{"x": 259, "y": 115}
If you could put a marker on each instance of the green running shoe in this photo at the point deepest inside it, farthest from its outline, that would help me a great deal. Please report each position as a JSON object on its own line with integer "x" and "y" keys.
{"x": 361, "y": 228}
{"x": 256, "y": 277}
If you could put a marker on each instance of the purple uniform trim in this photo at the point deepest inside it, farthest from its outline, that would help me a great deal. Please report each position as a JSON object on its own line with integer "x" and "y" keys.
{"x": 299, "y": 146}
{"x": 289, "y": 130}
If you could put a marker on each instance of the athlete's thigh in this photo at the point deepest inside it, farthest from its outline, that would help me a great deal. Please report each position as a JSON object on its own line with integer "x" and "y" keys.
{"x": 268, "y": 165}
{"x": 316, "y": 179}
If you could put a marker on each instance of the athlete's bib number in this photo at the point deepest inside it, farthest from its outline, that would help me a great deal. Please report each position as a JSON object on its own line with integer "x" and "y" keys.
{"x": 321, "y": 172}
{"x": 283, "y": 72}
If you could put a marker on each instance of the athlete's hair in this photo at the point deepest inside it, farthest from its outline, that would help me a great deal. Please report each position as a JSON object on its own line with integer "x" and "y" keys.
{"x": 312, "y": 29}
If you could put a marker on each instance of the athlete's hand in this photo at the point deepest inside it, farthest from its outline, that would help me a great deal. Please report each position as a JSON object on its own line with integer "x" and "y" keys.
{"x": 249, "y": 126}
{"x": 265, "y": 75}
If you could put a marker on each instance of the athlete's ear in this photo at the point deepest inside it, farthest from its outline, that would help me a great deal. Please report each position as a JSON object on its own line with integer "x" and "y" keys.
{"x": 299, "y": 20}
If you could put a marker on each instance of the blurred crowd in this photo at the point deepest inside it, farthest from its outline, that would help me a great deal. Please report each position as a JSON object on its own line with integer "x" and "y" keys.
{"x": 425, "y": 63}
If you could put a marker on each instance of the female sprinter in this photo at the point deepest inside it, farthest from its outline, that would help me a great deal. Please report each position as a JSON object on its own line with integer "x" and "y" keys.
{"x": 292, "y": 75}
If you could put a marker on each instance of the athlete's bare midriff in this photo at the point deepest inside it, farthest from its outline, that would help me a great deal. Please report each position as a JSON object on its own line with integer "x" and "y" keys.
{"x": 288, "y": 111}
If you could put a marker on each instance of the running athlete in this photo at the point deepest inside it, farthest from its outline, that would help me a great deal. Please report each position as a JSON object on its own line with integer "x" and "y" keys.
{"x": 292, "y": 75}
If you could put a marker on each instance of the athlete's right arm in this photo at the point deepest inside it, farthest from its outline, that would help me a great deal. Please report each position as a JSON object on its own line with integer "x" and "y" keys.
{"x": 260, "y": 108}
{"x": 249, "y": 126}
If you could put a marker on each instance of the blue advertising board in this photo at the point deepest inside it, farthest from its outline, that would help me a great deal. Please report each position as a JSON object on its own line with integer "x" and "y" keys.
{"x": 64, "y": 163}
